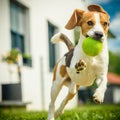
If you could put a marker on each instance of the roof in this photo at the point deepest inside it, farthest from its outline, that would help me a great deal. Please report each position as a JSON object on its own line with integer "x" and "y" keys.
{"x": 113, "y": 78}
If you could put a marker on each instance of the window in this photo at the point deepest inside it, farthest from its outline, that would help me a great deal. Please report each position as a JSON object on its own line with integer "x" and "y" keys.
{"x": 19, "y": 27}
{"x": 20, "y": 30}
{"x": 52, "y": 29}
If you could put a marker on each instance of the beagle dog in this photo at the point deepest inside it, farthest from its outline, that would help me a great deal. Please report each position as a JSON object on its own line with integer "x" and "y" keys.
{"x": 77, "y": 69}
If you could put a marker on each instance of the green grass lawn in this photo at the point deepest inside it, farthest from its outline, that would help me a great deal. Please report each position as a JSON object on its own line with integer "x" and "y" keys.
{"x": 95, "y": 112}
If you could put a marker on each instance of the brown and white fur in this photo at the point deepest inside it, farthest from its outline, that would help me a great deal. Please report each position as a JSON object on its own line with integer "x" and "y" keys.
{"x": 77, "y": 69}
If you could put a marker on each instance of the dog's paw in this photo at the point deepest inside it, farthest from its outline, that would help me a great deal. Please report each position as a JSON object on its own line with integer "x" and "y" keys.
{"x": 98, "y": 96}
{"x": 51, "y": 119}
{"x": 79, "y": 66}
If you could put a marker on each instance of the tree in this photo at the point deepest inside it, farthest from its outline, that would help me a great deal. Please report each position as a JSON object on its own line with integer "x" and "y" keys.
{"x": 114, "y": 62}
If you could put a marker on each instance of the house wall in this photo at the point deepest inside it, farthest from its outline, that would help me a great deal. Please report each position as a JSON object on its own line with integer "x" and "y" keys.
{"x": 4, "y": 26}
{"x": 35, "y": 78}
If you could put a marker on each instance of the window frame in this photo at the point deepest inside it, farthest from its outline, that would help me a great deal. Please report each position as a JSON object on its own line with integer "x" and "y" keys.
{"x": 53, "y": 48}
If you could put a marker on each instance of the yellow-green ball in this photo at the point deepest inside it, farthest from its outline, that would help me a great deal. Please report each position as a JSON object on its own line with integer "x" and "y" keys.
{"x": 92, "y": 47}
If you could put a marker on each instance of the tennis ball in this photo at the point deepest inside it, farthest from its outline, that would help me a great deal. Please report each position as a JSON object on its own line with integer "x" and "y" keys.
{"x": 91, "y": 46}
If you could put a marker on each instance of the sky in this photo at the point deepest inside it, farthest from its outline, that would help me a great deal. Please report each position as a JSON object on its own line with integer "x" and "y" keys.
{"x": 113, "y": 8}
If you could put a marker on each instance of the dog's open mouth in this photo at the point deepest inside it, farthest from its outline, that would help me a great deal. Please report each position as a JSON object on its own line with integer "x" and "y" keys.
{"x": 99, "y": 39}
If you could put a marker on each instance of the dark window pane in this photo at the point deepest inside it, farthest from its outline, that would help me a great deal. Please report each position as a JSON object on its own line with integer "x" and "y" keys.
{"x": 17, "y": 13}
{"x": 52, "y": 54}
{"x": 17, "y": 41}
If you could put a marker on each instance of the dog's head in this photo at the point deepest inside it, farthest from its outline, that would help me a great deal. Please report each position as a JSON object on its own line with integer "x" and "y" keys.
{"x": 93, "y": 23}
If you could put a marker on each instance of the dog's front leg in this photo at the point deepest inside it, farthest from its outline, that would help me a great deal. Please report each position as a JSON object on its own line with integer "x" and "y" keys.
{"x": 79, "y": 66}
{"x": 100, "y": 91}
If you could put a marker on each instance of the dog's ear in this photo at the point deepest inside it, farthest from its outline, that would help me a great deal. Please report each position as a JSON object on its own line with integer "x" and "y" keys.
{"x": 74, "y": 19}
{"x": 97, "y": 8}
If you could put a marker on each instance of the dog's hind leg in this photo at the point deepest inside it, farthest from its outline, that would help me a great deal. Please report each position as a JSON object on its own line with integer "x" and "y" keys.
{"x": 55, "y": 89}
{"x": 71, "y": 93}
{"x": 64, "y": 102}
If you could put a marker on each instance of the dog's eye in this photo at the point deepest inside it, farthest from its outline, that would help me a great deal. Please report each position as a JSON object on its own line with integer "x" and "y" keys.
{"x": 90, "y": 23}
{"x": 105, "y": 24}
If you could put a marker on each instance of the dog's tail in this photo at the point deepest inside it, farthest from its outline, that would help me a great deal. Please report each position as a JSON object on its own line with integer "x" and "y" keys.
{"x": 62, "y": 37}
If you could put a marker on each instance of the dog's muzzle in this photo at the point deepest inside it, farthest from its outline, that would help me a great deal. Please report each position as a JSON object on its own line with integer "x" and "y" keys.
{"x": 98, "y": 36}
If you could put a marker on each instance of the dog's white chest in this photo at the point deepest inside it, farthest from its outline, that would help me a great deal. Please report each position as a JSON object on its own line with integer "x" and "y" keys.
{"x": 86, "y": 77}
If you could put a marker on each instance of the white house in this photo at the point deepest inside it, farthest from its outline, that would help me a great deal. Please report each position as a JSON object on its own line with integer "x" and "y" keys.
{"x": 29, "y": 25}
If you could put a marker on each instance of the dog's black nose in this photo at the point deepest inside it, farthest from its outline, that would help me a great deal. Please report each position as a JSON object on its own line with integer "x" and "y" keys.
{"x": 98, "y": 35}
